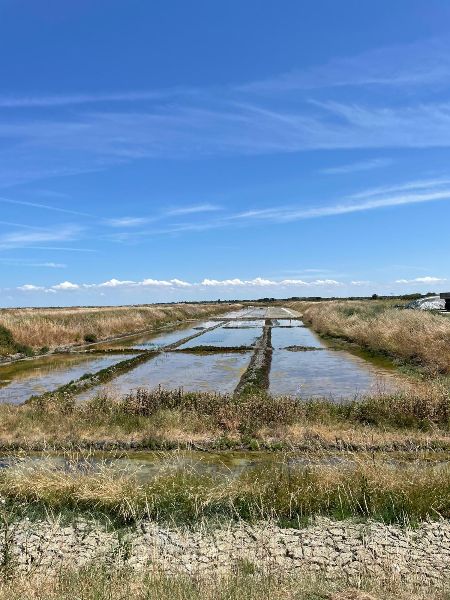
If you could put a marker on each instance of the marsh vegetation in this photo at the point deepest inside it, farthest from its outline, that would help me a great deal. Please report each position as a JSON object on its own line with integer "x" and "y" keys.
{"x": 376, "y": 455}
{"x": 100, "y": 582}
{"x": 51, "y": 327}
{"x": 421, "y": 338}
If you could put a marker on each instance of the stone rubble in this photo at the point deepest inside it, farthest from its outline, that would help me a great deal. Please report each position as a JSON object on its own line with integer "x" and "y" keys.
{"x": 429, "y": 303}
{"x": 344, "y": 549}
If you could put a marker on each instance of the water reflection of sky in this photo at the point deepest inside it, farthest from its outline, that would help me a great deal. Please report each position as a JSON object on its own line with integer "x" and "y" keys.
{"x": 19, "y": 381}
{"x": 192, "y": 372}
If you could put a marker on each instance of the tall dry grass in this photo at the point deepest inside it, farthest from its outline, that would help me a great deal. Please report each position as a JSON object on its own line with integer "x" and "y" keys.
{"x": 285, "y": 492}
{"x": 246, "y": 582}
{"x": 418, "y": 336}
{"x": 170, "y": 419}
{"x": 63, "y": 326}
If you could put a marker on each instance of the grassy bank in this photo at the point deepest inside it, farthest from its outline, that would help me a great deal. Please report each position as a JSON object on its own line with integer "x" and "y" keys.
{"x": 418, "y": 337}
{"x": 284, "y": 492}
{"x": 256, "y": 376}
{"x": 104, "y": 582}
{"x": 170, "y": 419}
{"x": 53, "y": 327}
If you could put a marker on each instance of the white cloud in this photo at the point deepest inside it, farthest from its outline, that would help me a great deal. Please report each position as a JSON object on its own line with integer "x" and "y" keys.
{"x": 155, "y": 283}
{"x": 426, "y": 279}
{"x": 219, "y": 284}
{"x": 116, "y": 283}
{"x": 294, "y": 282}
{"x": 257, "y": 282}
{"x": 180, "y": 283}
{"x": 326, "y": 282}
{"x": 65, "y": 285}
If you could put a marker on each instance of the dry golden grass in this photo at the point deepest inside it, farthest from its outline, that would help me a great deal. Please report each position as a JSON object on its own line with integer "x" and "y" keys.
{"x": 166, "y": 419}
{"x": 418, "y": 336}
{"x": 281, "y": 490}
{"x": 63, "y": 326}
{"x": 108, "y": 582}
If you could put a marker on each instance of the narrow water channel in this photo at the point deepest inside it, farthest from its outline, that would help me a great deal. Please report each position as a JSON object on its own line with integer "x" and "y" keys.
{"x": 147, "y": 465}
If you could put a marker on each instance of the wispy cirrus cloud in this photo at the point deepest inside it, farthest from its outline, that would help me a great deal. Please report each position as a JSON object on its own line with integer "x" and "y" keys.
{"x": 56, "y": 100}
{"x": 26, "y": 263}
{"x": 367, "y": 165}
{"x": 27, "y": 238}
{"x": 221, "y": 130}
{"x": 61, "y": 248}
{"x": 420, "y": 192}
{"x": 44, "y": 206}
{"x": 400, "y": 195}
{"x": 194, "y": 209}
{"x": 421, "y": 63}
{"x": 290, "y": 112}
{"x": 127, "y": 221}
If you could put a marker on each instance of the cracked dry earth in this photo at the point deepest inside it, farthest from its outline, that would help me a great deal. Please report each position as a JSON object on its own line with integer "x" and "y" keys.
{"x": 332, "y": 548}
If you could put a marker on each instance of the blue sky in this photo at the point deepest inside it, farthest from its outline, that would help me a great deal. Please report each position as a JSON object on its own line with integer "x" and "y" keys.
{"x": 173, "y": 150}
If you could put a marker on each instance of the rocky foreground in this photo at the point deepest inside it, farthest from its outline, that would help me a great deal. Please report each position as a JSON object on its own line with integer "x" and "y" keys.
{"x": 344, "y": 549}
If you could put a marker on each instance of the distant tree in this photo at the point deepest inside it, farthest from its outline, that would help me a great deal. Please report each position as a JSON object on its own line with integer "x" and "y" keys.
{"x": 374, "y": 296}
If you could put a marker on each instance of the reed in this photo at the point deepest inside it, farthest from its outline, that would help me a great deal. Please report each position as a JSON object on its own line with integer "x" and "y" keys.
{"x": 419, "y": 337}
{"x": 52, "y": 327}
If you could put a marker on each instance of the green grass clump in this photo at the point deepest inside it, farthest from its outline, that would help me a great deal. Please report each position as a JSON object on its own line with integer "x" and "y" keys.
{"x": 9, "y": 346}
